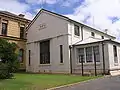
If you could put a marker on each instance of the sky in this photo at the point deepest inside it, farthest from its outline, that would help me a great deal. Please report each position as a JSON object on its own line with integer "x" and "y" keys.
{"x": 101, "y": 14}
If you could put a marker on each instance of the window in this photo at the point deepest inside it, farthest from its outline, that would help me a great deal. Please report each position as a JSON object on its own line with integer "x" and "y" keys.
{"x": 81, "y": 57}
{"x": 4, "y": 29}
{"x": 115, "y": 53}
{"x": 115, "y": 50}
{"x": 92, "y": 34}
{"x": 76, "y": 30}
{"x": 89, "y": 54}
{"x": 44, "y": 52}
{"x": 29, "y": 52}
{"x": 96, "y": 53}
{"x": 21, "y": 32}
{"x": 102, "y": 37}
{"x": 61, "y": 54}
{"x": 21, "y": 55}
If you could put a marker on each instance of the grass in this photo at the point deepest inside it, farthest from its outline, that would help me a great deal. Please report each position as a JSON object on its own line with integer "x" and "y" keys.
{"x": 39, "y": 81}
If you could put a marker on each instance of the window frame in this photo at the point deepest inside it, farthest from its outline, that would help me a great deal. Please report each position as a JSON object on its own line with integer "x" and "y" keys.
{"x": 89, "y": 54}
{"x": 4, "y": 31}
{"x": 115, "y": 50}
{"x": 29, "y": 57}
{"x": 61, "y": 53}
{"x": 22, "y": 32}
{"x": 92, "y": 34}
{"x": 22, "y": 55}
{"x": 81, "y": 54}
{"x": 115, "y": 54}
{"x": 102, "y": 37}
{"x": 96, "y": 52}
{"x": 45, "y": 52}
{"x": 76, "y": 30}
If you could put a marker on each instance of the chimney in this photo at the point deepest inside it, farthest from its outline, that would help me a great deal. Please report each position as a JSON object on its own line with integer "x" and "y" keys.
{"x": 106, "y": 30}
{"x": 21, "y": 15}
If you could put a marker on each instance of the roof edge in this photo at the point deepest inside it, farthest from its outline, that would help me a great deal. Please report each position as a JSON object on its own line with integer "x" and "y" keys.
{"x": 67, "y": 19}
{"x": 14, "y": 16}
{"x": 107, "y": 40}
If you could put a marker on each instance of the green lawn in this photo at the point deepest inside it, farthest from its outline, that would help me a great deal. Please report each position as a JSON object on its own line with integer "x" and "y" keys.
{"x": 39, "y": 81}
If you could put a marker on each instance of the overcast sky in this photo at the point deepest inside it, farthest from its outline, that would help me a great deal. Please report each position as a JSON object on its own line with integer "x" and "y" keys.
{"x": 103, "y": 14}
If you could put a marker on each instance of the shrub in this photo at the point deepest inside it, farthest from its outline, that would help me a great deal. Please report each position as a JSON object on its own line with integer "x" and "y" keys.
{"x": 4, "y": 71}
{"x": 9, "y": 63}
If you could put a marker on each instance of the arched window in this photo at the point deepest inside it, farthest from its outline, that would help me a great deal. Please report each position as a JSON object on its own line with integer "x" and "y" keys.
{"x": 21, "y": 55}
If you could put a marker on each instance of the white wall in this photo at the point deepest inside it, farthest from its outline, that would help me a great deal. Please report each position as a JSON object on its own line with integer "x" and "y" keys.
{"x": 54, "y": 27}
{"x": 88, "y": 67}
{"x": 57, "y": 32}
{"x": 55, "y": 66}
{"x": 33, "y": 57}
{"x": 111, "y": 56}
{"x": 87, "y": 33}
{"x": 72, "y": 37}
{"x": 114, "y": 67}
{"x": 106, "y": 56}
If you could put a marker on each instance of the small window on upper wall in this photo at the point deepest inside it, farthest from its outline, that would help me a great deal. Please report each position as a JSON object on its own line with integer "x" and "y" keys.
{"x": 115, "y": 50}
{"x": 22, "y": 28}
{"x": 115, "y": 54}
{"x": 76, "y": 30}
{"x": 102, "y": 37}
{"x": 4, "y": 27}
{"x": 92, "y": 34}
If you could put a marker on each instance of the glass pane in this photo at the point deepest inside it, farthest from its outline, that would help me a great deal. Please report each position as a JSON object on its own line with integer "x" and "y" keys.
{"x": 44, "y": 52}
{"x": 96, "y": 53}
{"x": 89, "y": 54}
{"x": 21, "y": 53}
{"x": 81, "y": 55}
{"x": 4, "y": 28}
{"x": 115, "y": 54}
{"x": 21, "y": 32}
{"x": 76, "y": 30}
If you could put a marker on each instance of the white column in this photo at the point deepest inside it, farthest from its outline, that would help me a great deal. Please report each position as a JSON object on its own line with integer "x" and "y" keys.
{"x": 36, "y": 59}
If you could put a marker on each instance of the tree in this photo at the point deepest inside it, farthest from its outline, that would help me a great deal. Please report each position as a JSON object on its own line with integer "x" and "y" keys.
{"x": 8, "y": 57}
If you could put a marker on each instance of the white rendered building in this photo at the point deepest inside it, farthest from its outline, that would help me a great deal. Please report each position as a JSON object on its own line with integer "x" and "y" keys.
{"x": 57, "y": 44}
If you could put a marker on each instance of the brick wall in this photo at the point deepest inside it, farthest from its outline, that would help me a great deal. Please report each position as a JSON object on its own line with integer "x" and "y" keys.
{"x": 13, "y": 29}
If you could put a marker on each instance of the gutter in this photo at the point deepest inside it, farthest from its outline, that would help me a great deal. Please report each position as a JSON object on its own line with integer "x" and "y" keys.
{"x": 82, "y": 32}
{"x": 70, "y": 47}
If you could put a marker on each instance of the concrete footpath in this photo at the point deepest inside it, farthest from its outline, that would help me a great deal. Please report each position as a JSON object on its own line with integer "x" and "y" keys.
{"x": 107, "y": 83}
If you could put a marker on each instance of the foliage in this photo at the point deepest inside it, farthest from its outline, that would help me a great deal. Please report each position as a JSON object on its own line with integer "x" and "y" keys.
{"x": 9, "y": 62}
{"x": 4, "y": 71}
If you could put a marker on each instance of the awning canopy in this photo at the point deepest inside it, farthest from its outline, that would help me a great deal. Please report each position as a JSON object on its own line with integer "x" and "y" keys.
{"x": 90, "y": 40}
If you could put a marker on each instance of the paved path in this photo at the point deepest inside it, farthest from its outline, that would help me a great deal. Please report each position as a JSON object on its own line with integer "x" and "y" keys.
{"x": 108, "y": 83}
